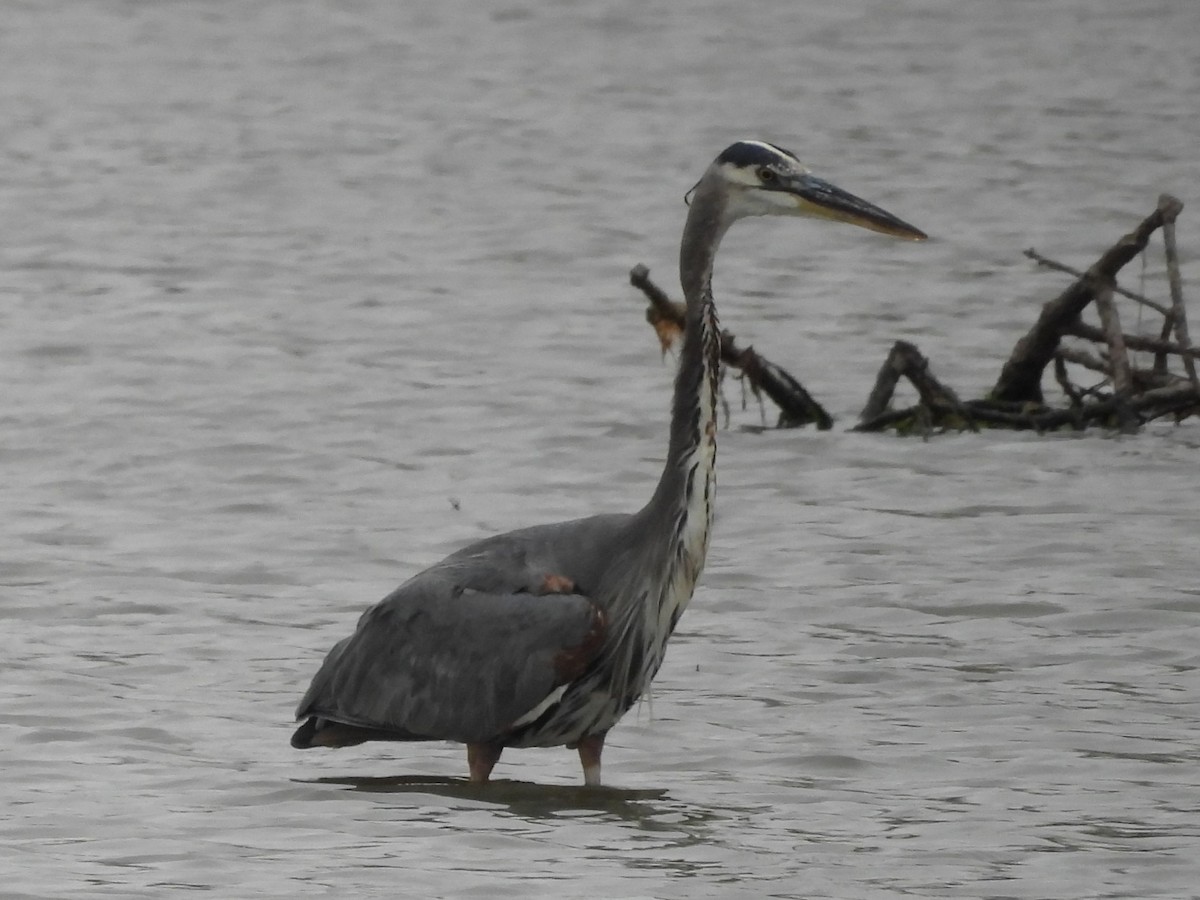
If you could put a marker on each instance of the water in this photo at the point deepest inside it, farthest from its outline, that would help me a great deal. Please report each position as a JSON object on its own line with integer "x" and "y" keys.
{"x": 298, "y": 297}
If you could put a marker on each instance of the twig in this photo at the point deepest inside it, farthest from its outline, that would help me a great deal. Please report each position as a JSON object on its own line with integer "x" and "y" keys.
{"x": 1088, "y": 332}
{"x": 1060, "y": 375}
{"x": 1117, "y": 289}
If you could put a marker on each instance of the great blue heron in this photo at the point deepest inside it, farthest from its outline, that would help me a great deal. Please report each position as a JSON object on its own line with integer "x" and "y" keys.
{"x": 548, "y": 635}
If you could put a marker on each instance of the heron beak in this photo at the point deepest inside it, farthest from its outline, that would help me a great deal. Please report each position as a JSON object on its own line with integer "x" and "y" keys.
{"x": 820, "y": 199}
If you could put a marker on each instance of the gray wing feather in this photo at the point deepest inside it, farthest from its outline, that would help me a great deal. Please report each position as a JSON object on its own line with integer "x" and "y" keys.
{"x": 437, "y": 661}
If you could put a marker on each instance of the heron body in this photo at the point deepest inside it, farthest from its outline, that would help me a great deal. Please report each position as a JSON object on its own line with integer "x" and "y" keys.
{"x": 546, "y": 636}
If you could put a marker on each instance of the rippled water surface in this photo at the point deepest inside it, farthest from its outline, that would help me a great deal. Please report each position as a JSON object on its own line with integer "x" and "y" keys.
{"x": 297, "y": 297}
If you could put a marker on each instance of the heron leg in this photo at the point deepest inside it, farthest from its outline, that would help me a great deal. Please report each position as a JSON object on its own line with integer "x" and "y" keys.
{"x": 590, "y": 749}
{"x": 481, "y": 758}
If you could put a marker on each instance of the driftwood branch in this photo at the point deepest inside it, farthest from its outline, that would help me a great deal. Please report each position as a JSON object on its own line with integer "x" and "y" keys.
{"x": 1020, "y": 378}
{"x": 1170, "y": 208}
{"x": 1084, "y": 358}
{"x": 1122, "y": 375}
{"x": 1111, "y": 323}
{"x": 1128, "y": 396}
{"x": 936, "y": 403}
{"x": 1177, "y": 399}
{"x": 1064, "y": 380}
{"x": 1112, "y": 411}
{"x": 1137, "y": 342}
{"x": 796, "y": 405}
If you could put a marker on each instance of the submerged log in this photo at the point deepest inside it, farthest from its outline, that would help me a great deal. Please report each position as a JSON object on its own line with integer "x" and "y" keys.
{"x": 797, "y": 407}
{"x": 1124, "y": 413}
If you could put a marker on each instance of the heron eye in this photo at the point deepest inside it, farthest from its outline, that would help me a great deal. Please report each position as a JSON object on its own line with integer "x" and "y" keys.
{"x": 766, "y": 176}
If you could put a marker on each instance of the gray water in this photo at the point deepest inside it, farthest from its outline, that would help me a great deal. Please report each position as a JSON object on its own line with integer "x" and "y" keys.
{"x": 299, "y": 297}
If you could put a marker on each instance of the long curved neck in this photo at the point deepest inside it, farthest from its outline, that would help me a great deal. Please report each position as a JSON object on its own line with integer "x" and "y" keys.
{"x": 685, "y": 489}
{"x": 671, "y": 532}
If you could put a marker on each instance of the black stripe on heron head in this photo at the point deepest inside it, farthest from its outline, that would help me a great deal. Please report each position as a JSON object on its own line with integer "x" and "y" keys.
{"x": 755, "y": 153}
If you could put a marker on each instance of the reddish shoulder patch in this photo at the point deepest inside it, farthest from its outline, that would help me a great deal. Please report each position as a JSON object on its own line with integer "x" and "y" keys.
{"x": 557, "y": 584}
{"x": 572, "y": 662}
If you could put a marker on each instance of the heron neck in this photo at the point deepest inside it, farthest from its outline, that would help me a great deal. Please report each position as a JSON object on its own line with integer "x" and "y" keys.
{"x": 691, "y": 452}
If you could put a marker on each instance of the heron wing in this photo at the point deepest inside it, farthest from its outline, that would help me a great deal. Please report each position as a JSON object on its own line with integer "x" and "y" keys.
{"x": 435, "y": 660}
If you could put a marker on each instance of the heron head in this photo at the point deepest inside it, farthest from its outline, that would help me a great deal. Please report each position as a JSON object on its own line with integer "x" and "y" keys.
{"x": 761, "y": 179}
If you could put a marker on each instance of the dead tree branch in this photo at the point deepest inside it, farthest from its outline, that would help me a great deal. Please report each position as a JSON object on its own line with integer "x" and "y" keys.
{"x": 1137, "y": 342}
{"x": 1020, "y": 378}
{"x": 1170, "y": 208}
{"x": 1126, "y": 399}
{"x": 796, "y": 405}
{"x": 1084, "y": 358}
{"x": 937, "y": 403}
{"x": 1111, "y": 323}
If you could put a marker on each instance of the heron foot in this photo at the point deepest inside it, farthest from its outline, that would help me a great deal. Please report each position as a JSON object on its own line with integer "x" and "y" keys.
{"x": 481, "y": 759}
{"x": 590, "y": 749}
